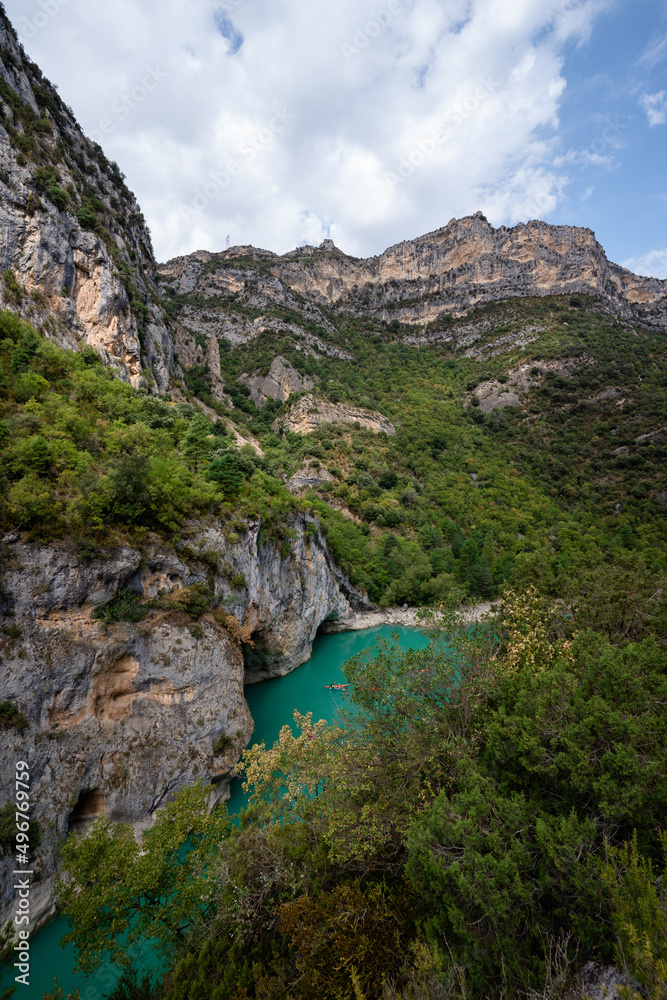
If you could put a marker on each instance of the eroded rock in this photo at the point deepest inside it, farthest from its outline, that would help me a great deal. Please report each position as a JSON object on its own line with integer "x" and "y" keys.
{"x": 310, "y": 412}
{"x": 280, "y": 382}
{"x": 122, "y": 715}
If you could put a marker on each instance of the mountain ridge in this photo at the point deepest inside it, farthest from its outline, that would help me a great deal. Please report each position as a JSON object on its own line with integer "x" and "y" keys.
{"x": 453, "y": 268}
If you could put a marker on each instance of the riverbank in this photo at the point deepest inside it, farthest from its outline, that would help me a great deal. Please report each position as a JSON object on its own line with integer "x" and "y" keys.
{"x": 405, "y": 617}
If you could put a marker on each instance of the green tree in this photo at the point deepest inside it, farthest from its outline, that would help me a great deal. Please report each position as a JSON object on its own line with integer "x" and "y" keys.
{"x": 132, "y": 500}
{"x": 120, "y": 893}
{"x": 29, "y": 499}
{"x": 226, "y": 472}
{"x": 197, "y": 442}
{"x": 25, "y": 351}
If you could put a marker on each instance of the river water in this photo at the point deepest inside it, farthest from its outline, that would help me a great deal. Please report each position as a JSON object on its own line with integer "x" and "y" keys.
{"x": 271, "y": 705}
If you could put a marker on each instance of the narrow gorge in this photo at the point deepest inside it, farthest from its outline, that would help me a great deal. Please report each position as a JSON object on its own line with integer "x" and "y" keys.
{"x": 121, "y": 715}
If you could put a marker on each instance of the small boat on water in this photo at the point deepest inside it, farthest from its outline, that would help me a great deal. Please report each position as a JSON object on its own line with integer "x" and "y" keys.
{"x": 336, "y": 687}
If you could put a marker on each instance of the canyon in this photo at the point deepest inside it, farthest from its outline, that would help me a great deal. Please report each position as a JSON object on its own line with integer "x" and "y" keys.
{"x": 120, "y": 715}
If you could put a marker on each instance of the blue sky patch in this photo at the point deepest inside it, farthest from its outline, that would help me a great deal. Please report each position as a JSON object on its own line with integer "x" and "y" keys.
{"x": 228, "y": 31}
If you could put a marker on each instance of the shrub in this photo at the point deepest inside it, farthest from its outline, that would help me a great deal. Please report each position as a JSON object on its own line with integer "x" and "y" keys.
{"x": 86, "y": 218}
{"x": 11, "y": 718}
{"x": 126, "y": 606}
{"x": 59, "y": 197}
{"x": 222, "y": 743}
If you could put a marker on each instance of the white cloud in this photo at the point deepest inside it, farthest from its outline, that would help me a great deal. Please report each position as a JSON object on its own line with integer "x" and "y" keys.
{"x": 652, "y": 264}
{"x": 655, "y": 106}
{"x": 281, "y": 119}
{"x": 654, "y": 52}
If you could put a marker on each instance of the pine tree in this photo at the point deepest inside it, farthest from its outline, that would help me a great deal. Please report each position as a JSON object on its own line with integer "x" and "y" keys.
{"x": 197, "y": 442}
{"x": 226, "y": 473}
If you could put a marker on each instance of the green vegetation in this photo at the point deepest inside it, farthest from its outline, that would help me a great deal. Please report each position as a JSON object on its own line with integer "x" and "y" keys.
{"x": 11, "y": 717}
{"x": 460, "y": 499}
{"x": 485, "y": 818}
{"x": 86, "y": 456}
{"x": 8, "y": 815}
{"x": 126, "y": 606}
{"x": 222, "y": 743}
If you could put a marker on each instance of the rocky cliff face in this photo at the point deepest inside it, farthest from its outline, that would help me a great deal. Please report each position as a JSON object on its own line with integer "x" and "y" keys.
{"x": 122, "y": 715}
{"x": 421, "y": 281}
{"x": 279, "y": 382}
{"x": 74, "y": 247}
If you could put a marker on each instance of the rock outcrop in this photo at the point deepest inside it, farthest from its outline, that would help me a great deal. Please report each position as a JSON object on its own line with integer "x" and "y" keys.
{"x": 71, "y": 233}
{"x": 123, "y": 714}
{"x": 280, "y": 382}
{"x": 308, "y": 478}
{"x": 215, "y": 372}
{"x": 468, "y": 263}
{"x": 241, "y": 277}
{"x": 307, "y": 415}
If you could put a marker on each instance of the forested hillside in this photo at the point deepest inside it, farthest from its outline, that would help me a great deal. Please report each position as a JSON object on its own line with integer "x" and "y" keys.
{"x": 530, "y": 436}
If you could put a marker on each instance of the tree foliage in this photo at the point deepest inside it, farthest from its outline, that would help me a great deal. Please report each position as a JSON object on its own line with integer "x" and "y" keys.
{"x": 484, "y": 810}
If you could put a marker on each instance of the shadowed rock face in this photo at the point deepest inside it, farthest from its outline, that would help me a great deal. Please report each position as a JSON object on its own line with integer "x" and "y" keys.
{"x": 94, "y": 285}
{"x": 446, "y": 272}
{"x": 281, "y": 380}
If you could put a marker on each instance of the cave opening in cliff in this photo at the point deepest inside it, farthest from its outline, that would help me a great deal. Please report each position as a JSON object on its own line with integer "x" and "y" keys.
{"x": 257, "y": 657}
{"x": 90, "y": 805}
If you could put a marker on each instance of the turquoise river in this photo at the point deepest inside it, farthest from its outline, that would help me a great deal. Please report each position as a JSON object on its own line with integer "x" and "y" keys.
{"x": 271, "y": 705}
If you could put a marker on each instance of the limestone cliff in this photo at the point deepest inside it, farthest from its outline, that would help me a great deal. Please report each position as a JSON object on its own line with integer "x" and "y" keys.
{"x": 122, "y": 715}
{"x": 421, "y": 281}
{"x": 281, "y": 380}
{"x": 310, "y": 412}
{"x": 74, "y": 248}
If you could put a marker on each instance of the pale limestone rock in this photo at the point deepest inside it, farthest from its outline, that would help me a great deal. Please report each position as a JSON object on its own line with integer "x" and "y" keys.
{"x": 307, "y": 478}
{"x": 71, "y": 283}
{"x": 121, "y": 716}
{"x": 446, "y": 272}
{"x": 306, "y": 415}
{"x": 217, "y": 381}
{"x": 187, "y": 349}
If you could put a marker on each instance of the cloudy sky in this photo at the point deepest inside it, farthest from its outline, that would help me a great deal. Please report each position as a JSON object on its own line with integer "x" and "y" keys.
{"x": 283, "y": 122}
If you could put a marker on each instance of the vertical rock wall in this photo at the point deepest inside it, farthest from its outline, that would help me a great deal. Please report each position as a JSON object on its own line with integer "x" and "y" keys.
{"x": 122, "y": 715}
